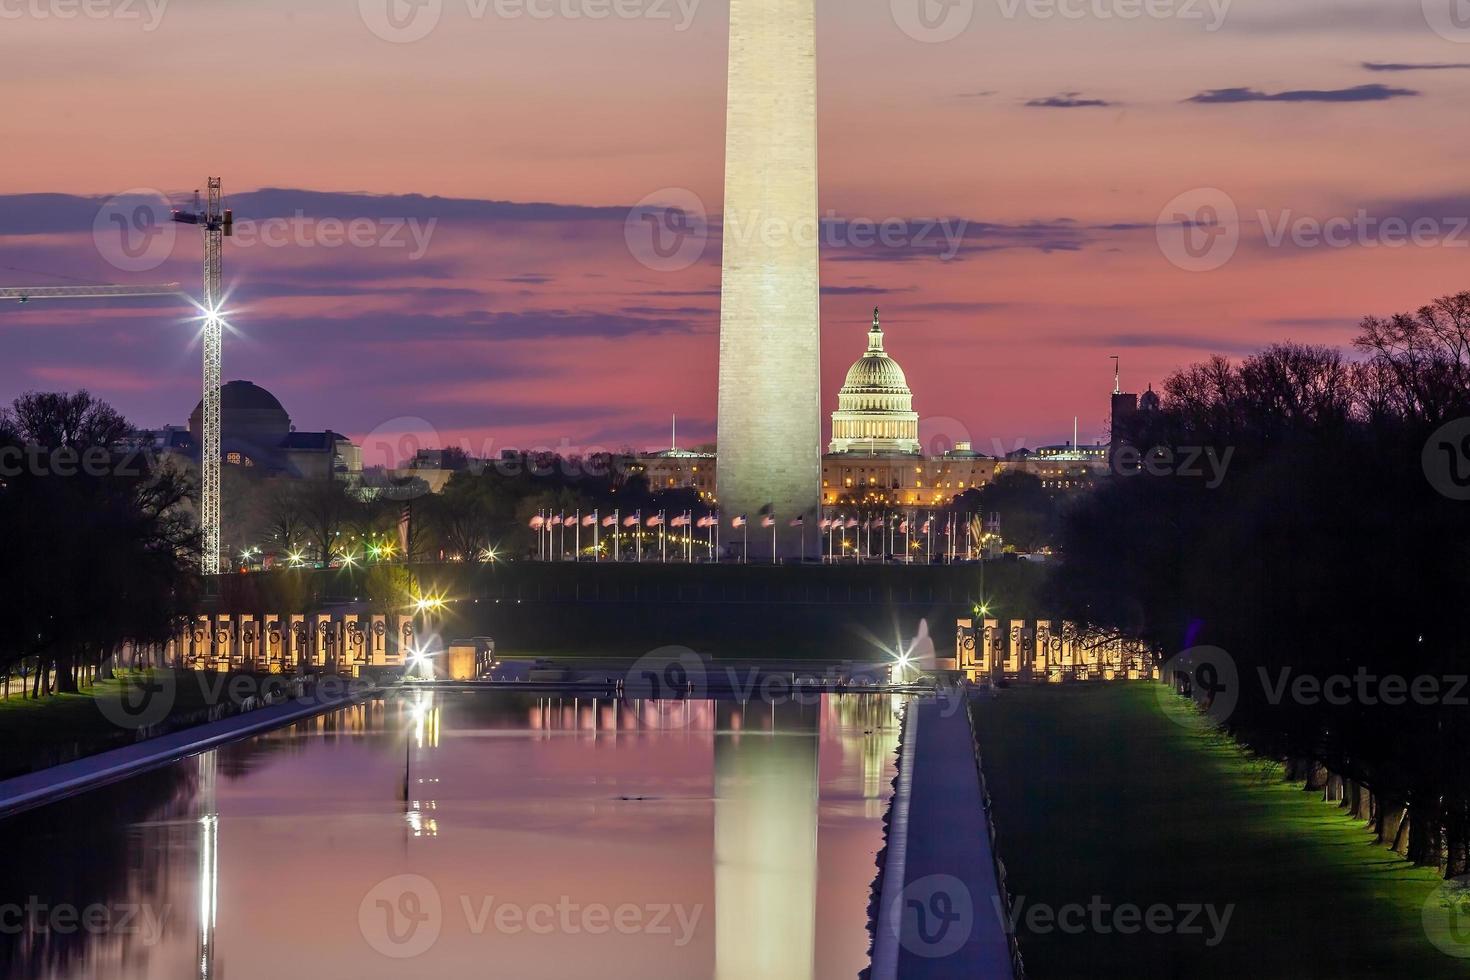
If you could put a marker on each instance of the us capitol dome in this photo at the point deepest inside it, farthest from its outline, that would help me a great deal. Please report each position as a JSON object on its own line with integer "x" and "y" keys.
{"x": 875, "y": 408}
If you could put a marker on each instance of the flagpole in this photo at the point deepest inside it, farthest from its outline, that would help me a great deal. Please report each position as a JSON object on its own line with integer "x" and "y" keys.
{"x": 596, "y": 536}
{"x": 577, "y": 538}
{"x": 640, "y": 537}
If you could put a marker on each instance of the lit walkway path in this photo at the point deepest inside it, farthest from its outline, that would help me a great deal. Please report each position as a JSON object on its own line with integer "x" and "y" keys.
{"x": 943, "y": 919}
{"x": 68, "y": 779}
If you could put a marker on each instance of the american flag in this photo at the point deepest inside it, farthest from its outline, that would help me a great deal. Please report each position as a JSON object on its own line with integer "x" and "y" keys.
{"x": 740, "y": 521}
{"x": 927, "y": 525}
{"x": 681, "y": 521}
{"x": 852, "y": 522}
{"x": 610, "y": 521}
{"x": 768, "y": 521}
{"x": 707, "y": 522}
{"x": 826, "y": 524}
{"x": 590, "y": 520}
{"x": 538, "y": 522}
{"x": 656, "y": 520}
{"x": 904, "y": 527}
{"x": 556, "y": 521}
{"x": 798, "y": 522}
{"x": 632, "y": 521}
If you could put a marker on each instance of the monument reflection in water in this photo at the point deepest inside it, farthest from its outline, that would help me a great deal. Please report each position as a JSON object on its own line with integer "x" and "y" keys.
{"x": 538, "y": 838}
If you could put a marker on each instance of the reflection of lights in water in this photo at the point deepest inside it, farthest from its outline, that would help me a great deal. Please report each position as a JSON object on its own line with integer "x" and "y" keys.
{"x": 421, "y": 824}
{"x": 208, "y": 865}
{"x": 424, "y": 718}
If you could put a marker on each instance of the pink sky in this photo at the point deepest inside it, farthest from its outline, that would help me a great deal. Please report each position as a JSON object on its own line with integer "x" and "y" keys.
{"x": 538, "y": 325}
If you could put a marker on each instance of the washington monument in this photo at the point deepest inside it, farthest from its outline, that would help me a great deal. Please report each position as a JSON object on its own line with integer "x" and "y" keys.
{"x": 770, "y": 428}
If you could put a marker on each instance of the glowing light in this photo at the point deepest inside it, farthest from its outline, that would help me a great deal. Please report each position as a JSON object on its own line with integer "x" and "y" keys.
{"x": 428, "y": 603}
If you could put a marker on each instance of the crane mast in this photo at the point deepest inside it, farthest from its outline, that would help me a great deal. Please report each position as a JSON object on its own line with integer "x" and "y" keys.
{"x": 215, "y": 222}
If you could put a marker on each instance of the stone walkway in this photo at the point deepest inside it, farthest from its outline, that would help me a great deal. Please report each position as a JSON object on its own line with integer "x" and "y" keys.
{"x": 944, "y": 919}
{"x": 35, "y": 789}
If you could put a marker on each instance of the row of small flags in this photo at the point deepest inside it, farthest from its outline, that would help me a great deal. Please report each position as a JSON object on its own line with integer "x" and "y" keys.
{"x": 542, "y": 521}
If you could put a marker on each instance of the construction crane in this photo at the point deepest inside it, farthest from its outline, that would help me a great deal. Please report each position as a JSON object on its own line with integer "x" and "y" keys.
{"x": 216, "y": 222}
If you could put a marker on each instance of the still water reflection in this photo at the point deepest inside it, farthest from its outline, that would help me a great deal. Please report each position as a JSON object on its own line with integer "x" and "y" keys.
{"x": 473, "y": 835}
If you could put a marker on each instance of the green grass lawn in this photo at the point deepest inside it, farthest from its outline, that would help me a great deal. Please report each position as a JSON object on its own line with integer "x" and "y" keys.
{"x": 1097, "y": 793}
{"x": 60, "y": 727}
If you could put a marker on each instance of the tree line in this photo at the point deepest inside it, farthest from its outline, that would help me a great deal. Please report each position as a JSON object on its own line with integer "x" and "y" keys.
{"x": 102, "y": 546}
{"x": 1330, "y": 563}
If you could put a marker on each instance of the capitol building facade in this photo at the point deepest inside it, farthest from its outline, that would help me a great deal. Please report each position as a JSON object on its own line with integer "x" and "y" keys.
{"x": 875, "y": 408}
{"x": 876, "y": 459}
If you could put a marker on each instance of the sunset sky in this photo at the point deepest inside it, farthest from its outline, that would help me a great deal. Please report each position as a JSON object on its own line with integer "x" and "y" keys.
{"x": 529, "y": 311}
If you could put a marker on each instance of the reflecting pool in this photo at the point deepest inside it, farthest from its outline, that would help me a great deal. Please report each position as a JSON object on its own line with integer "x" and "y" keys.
{"x": 474, "y": 835}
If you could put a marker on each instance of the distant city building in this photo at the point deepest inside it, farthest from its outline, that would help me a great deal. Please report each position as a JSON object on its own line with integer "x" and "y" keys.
{"x": 875, "y": 458}
{"x": 256, "y": 432}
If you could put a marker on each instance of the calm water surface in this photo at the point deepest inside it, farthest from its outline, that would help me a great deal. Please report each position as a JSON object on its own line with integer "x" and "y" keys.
{"x": 474, "y": 835}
